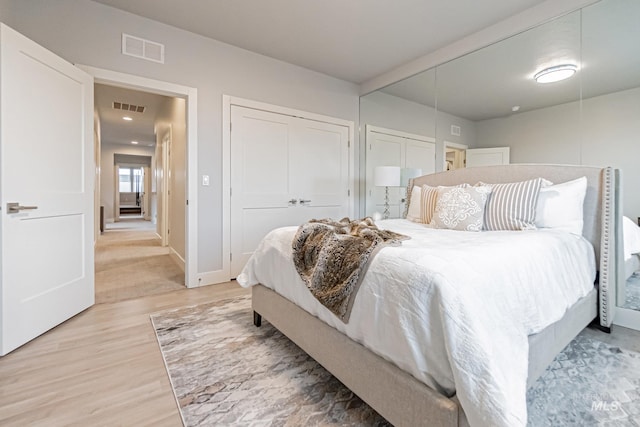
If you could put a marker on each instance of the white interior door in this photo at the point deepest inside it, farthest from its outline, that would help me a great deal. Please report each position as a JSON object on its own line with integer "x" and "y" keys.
{"x": 284, "y": 170}
{"x": 387, "y": 147}
{"x": 487, "y": 156}
{"x": 46, "y": 163}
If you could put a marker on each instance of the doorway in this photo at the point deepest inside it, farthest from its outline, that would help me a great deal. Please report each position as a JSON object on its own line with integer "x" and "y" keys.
{"x": 189, "y": 175}
{"x": 131, "y": 258}
{"x": 454, "y": 156}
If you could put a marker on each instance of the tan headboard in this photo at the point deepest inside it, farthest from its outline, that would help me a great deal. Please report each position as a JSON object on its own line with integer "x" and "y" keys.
{"x": 602, "y": 214}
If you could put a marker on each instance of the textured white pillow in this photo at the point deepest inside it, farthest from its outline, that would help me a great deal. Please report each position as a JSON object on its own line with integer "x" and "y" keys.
{"x": 560, "y": 206}
{"x": 413, "y": 212}
{"x": 460, "y": 208}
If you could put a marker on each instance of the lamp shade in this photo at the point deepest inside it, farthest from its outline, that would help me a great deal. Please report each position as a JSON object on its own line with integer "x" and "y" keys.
{"x": 386, "y": 176}
{"x": 409, "y": 173}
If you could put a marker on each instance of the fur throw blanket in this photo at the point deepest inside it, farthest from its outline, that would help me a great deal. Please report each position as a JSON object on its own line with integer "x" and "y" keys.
{"x": 331, "y": 258}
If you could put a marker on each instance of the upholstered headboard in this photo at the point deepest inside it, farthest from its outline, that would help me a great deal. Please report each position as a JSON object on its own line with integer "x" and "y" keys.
{"x": 602, "y": 213}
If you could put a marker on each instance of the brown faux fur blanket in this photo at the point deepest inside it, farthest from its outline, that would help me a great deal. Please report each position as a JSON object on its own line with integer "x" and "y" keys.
{"x": 332, "y": 256}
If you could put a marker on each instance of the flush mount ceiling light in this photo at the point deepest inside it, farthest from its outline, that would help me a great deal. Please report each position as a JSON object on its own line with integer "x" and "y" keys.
{"x": 127, "y": 118}
{"x": 555, "y": 74}
{"x": 134, "y": 142}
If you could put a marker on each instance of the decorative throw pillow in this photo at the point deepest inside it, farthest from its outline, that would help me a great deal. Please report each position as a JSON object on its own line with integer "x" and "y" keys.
{"x": 560, "y": 206}
{"x": 460, "y": 208}
{"x": 512, "y": 206}
{"x": 428, "y": 199}
{"x": 413, "y": 209}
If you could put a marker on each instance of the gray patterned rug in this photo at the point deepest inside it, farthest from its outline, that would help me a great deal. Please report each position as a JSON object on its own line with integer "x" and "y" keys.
{"x": 225, "y": 371}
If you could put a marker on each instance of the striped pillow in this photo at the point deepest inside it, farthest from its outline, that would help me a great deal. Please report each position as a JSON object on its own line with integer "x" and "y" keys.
{"x": 428, "y": 200}
{"x": 512, "y": 206}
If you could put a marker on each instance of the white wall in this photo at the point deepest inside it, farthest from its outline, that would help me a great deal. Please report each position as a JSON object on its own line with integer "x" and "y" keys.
{"x": 548, "y": 135}
{"x": 172, "y": 114}
{"x": 107, "y": 171}
{"x": 606, "y": 133}
{"x": 89, "y": 33}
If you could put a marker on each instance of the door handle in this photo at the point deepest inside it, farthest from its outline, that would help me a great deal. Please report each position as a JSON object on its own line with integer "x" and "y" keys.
{"x": 15, "y": 208}
{"x": 302, "y": 202}
{"x": 293, "y": 201}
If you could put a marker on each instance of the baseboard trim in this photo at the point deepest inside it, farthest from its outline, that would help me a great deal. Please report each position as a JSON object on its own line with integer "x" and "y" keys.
{"x": 175, "y": 256}
{"x": 212, "y": 277}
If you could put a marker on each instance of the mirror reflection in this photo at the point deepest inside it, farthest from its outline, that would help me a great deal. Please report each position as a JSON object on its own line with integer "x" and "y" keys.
{"x": 610, "y": 112}
{"x": 398, "y": 130}
{"x": 488, "y": 105}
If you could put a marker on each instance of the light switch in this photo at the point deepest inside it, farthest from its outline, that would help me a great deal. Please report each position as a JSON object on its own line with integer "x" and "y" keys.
{"x": 205, "y": 180}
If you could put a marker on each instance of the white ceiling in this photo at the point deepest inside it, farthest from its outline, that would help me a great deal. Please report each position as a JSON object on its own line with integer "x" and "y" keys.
{"x": 115, "y": 130}
{"x": 602, "y": 40}
{"x": 353, "y": 40}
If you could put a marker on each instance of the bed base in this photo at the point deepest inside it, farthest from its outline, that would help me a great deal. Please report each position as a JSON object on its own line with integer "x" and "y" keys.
{"x": 393, "y": 393}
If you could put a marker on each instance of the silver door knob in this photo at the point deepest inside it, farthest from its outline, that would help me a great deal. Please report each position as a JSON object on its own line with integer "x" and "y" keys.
{"x": 293, "y": 201}
{"x": 302, "y": 202}
{"x": 15, "y": 208}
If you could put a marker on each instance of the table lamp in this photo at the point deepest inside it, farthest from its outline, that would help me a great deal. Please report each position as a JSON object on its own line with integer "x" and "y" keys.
{"x": 386, "y": 176}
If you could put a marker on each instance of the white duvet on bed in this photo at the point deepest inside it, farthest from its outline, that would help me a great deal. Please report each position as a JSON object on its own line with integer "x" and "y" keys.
{"x": 452, "y": 308}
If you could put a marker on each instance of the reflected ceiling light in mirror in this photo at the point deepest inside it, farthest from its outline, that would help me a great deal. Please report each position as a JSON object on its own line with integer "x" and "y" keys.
{"x": 134, "y": 142}
{"x": 555, "y": 74}
{"x": 127, "y": 118}
{"x": 515, "y": 108}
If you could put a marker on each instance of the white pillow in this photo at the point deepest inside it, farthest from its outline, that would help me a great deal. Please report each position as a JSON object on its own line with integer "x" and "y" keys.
{"x": 560, "y": 206}
{"x": 413, "y": 213}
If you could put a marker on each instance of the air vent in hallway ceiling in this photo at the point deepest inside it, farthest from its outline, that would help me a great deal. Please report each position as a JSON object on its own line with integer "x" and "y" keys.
{"x": 128, "y": 107}
{"x": 143, "y": 49}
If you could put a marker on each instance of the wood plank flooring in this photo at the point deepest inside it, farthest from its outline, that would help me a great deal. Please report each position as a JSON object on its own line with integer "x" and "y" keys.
{"x": 102, "y": 367}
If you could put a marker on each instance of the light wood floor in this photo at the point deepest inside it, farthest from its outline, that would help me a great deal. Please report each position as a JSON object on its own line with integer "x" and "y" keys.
{"x": 102, "y": 367}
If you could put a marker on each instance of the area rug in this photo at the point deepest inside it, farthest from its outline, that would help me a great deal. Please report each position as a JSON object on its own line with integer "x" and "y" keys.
{"x": 225, "y": 371}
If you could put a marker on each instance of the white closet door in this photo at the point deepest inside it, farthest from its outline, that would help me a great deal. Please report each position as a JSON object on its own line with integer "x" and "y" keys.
{"x": 386, "y": 147}
{"x": 383, "y": 150}
{"x": 320, "y": 170}
{"x": 421, "y": 155}
{"x": 284, "y": 171}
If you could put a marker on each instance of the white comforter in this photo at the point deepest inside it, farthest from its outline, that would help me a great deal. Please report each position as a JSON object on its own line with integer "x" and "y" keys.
{"x": 452, "y": 308}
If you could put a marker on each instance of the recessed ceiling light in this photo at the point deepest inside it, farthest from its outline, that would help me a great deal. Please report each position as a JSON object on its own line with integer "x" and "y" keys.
{"x": 515, "y": 108}
{"x": 134, "y": 142}
{"x": 127, "y": 118}
{"x": 555, "y": 74}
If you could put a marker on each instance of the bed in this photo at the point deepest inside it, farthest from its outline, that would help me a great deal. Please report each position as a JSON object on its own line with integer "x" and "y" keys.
{"x": 407, "y": 396}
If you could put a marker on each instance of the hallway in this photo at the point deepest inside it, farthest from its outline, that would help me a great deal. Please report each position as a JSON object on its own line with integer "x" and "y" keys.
{"x": 130, "y": 263}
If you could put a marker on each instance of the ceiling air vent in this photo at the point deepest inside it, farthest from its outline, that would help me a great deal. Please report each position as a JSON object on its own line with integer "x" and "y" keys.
{"x": 143, "y": 49}
{"x": 128, "y": 107}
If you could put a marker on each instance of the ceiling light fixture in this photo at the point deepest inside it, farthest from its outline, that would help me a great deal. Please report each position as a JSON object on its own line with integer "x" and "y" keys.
{"x": 127, "y": 118}
{"x": 134, "y": 142}
{"x": 555, "y": 74}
